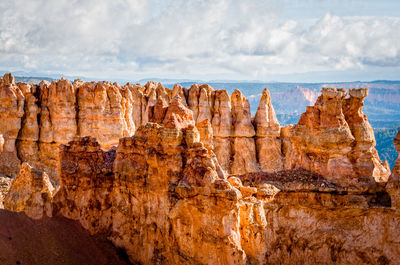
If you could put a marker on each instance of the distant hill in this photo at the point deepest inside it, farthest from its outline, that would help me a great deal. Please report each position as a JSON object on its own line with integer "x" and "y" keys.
{"x": 384, "y": 143}
{"x": 31, "y": 79}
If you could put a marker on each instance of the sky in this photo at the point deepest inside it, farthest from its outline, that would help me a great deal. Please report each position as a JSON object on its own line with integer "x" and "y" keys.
{"x": 266, "y": 40}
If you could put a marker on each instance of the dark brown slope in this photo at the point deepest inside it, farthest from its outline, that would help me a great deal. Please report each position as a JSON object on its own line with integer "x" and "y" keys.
{"x": 52, "y": 241}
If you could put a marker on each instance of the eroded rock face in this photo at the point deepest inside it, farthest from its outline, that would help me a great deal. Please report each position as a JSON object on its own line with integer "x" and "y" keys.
{"x": 11, "y": 112}
{"x": 268, "y": 140}
{"x": 36, "y": 119}
{"x": 30, "y": 192}
{"x": 333, "y": 138}
{"x": 222, "y": 128}
{"x": 364, "y": 154}
{"x": 393, "y": 185}
{"x": 243, "y": 147}
{"x": 163, "y": 196}
{"x": 102, "y": 106}
{"x": 86, "y": 183}
{"x": 163, "y": 211}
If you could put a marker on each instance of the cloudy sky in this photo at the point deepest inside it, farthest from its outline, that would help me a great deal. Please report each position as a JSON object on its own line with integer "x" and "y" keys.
{"x": 292, "y": 40}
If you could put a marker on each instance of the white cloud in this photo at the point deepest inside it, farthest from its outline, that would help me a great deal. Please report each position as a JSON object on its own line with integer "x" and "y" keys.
{"x": 187, "y": 38}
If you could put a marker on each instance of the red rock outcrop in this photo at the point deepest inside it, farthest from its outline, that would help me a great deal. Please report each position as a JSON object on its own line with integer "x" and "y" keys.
{"x": 36, "y": 119}
{"x": 364, "y": 154}
{"x": 393, "y": 185}
{"x": 222, "y": 128}
{"x": 28, "y": 138}
{"x": 243, "y": 147}
{"x": 201, "y": 102}
{"x": 11, "y": 112}
{"x": 268, "y": 140}
{"x": 86, "y": 183}
{"x": 333, "y": 138}
{"x": 102, "y": 106}
{"x": 30, "y": 192}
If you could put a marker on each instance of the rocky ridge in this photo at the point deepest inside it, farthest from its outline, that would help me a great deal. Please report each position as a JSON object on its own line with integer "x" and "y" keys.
{"x": 334, "y": 133}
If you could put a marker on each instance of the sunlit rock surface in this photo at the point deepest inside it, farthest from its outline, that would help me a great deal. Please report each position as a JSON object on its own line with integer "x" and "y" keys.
{"x": 30, "y": 192}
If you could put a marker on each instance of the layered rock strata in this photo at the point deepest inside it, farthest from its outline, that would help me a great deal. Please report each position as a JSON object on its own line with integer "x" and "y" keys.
{"x": 314, "y": 221}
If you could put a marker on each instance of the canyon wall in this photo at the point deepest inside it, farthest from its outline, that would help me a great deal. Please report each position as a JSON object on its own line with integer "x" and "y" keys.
{"x": 201, "y": 182}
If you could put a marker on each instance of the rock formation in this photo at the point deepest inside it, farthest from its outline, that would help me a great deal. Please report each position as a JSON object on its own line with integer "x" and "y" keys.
{"x": 30, "y": 192}
{"x": 367, "y": 162}
{"x": 180, "y": 193}
{"x": 243, "y": 147}
{"x": 36, "y": 119}
{"x": 333, "y": 138}
{"x": 268, "y": 142}
{"x": 11, "y": 112}
{"x": 165, "y": 194}
{"x": 222, "y": 128}
{"x": 393, "y": 185}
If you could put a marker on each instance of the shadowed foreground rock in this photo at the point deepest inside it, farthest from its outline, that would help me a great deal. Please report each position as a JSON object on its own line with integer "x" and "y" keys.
{"x": 52, "y": 241}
